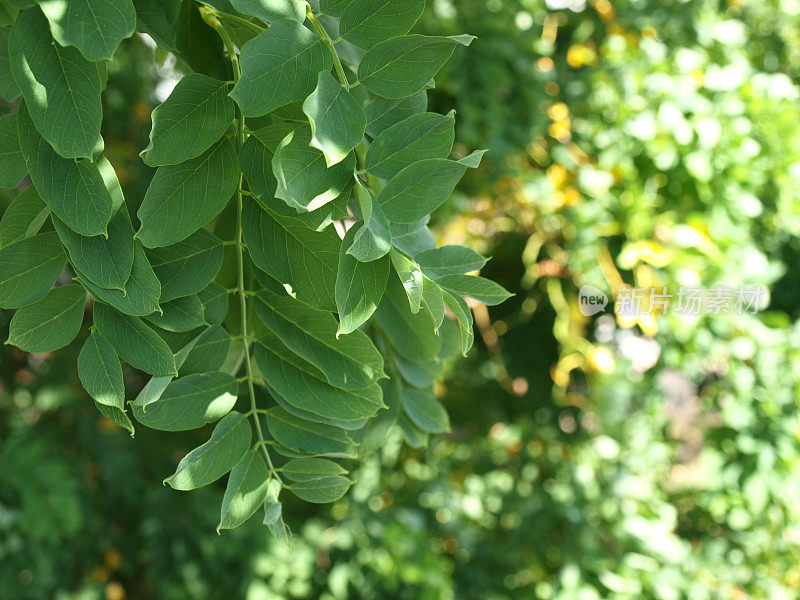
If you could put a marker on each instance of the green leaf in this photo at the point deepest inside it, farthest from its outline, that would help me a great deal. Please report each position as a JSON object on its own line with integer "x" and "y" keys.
{"x": 198, "y": 44}
{"x": 255, "y": 160}
{"x": 412, "y": 238}
{"x": 473, "y": 161}
{"x": 215, "y": 303}
{"x": 321, "y": 491}
{"x": 483, "y": 290}
{"x": 382, "y": 113}
{"x": 449, "y": 260}
{"x": 419, "y": 137}
{"x": 304, "y": 180}
{"x": 411, "y": 335}
{"x": 181, "y": 314}
{"x": 100, "y": 372}
{"x": 272, "y": 512}
{"x": 95, "y": 27}
{"x": 402, "y": 66}
{"x": 153, "y": 389}
{"x": 305, "y": 437}
{"x": 116, "y": 416}
{"x": 182, "y": 198}
{"x": 278, "y": 67}
{"x": 367, "y": 23}
{"x": 187, "y": 267}
{"x": 73, "y": 189}
{"x": 419, "y": 375}
{"x": 272, "y": 10}
{"x": 157, "y": 19}
{"x": 433, "y": 301}
{"x": 304, "y": 386}
{"x": 411, "y": 277}
{"x": 311, "y": 469}
{"x": 209, "y": 352}
{"x": 425, "y": 411}
{"x": 349, "y": 362}
{"x": 9, "y": 89}
{"x": 14, "y": 166}
{"x": 246, "y": 492}
{"x": 51, "y": 323}
{"x": 334, "y": 8}
{"x": 359, "y": 286}
{"x": 374, "y": 239}
{"x": 60, "y": 87}
{"x": 140, "y": 294}
{"x": 190, "y": 402}
{"x": 337, "y": 119}
{"x": 229, "y": 442}
{"x": 419, "y": 189}
{"x": 300, "y": 259}
{"x": 413, "y": 435}
{"x": 194, "y": 116}
{"x": 319, "y": 219}
{"x": 135, "y": 342}
{"x": 23, "y": 218}
{"x": 104, "y": 261}
{"x": 463, "y": 315}
{"x": 29, "y": 268}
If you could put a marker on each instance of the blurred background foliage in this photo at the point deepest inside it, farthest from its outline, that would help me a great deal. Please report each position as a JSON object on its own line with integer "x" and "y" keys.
{"x": 646, "y": 143}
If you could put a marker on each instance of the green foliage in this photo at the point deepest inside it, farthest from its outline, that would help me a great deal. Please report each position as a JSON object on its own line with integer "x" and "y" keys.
{"x": 256, "y": 180}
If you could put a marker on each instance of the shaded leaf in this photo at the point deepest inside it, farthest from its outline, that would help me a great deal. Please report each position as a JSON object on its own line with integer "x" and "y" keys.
{"x": 29, "y": 268}
{"x": 419, "y": 189}
{"x": 51, "y": 323}
{"x": 306, "y": 437}
{"x": 182, "y": 198}
{"x": 337, "y": 119}
{"x": 348, "y": 362}
{"x": 187, "y": 267}
{"x": 61, "y": 88}
{"x": 246, "y": 491}
{"x": 73, "y": 189}
{"x": 95, "y": 27}
{"x": 100, "y": 372}
{"x": 135, "y": 342}
{"x": 278, "y": 67}
{"x": 14, "y": 166}
{"x": 190, "y": 402}
{"x": 205, "y": 464}
{"x": 367, "y": 23}
{"x": 359, "y": 286}
{"x": 194, "y": 116}
{"x": 23, "y": 218}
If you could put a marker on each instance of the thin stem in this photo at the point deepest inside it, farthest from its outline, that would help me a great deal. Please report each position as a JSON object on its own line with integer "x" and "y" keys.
{"x": 241, "y": 291}
{"x": 329, "y": 43}
{"x": 239, "y": 21}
